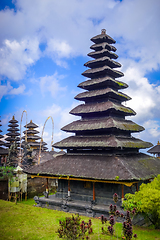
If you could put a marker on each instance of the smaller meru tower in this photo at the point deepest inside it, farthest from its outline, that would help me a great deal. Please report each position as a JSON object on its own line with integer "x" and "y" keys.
{"x": 13, "y": 133}
{"x": 102, "y": 156}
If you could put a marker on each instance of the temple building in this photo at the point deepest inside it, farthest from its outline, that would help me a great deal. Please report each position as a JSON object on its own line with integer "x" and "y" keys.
{"x": 155, "y": 150}
{"x": 13, "y": 133}
{"x": 102, "y": 157}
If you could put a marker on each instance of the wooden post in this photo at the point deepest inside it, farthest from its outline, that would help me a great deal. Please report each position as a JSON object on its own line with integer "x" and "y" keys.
{"x": 137, "y": 187}
{"x": 94, "y": 197}
{"x": 122, "y": 186}
{"x": 69, "y": 189}
{"x": 26, "y": 196}
{"x": 47, "y": 188}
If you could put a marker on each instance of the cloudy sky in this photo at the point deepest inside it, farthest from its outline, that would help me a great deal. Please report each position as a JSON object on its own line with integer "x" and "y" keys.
{"x": 44, "y": 44}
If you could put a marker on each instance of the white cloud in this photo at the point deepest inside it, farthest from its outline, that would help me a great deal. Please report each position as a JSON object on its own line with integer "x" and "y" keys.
{"x": 145, "y": 96}
{"x": 16, "y": 56}
{"x": 53, "y": 110}
{"x": 153, "y": 128}
{"x": 51, "y": 84}
{"x": 7, "y": 89}
{"x": 58, "y": 47}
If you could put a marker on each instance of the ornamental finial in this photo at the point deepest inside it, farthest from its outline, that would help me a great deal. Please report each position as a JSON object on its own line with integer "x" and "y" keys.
{"x": 103, "y": 31}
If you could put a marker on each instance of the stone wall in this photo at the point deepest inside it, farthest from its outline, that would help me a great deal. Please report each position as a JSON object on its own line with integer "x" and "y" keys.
{"x": 35, "y": 187}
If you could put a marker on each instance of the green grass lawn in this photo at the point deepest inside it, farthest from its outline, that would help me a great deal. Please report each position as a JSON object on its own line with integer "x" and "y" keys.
{"x": 24, "y": 221}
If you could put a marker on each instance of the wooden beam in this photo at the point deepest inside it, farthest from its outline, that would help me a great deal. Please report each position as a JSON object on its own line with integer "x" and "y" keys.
{"x": 128, "y": 184}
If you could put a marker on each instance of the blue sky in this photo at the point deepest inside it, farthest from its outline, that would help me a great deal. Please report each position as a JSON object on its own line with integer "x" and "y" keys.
{"x": 44, "y": 44}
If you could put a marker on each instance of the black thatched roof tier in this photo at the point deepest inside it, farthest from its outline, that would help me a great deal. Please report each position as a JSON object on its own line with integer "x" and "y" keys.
{"x": 101, "y": 62}
{"x": 11, "y": 139}
{"x": 32, "y": 131}
{"x": 101, "y": 141}
{"x": 15, "y": 125}
{"x": 102, "y": 82}
{"x": 9, "y": 144}
{"x": 101, "y": 108}
{"x": 13, "y": 120}
{"x": 105, "y": 70}
{"x": 101, "y": 38}
{"x": 1, "y": 142}
{"x": 32, "y": 144}
{"x": 12, "y": 133}
{"x": 31, "y": 125}
{"x": 100, "y": 167}
{"x": 102, "y": 125}
{"x": 102, "y": 94}
{"x": 103, "y": 45}
{"x": 103, "y": 53}
{"x": 11, "y": 129}
{"x": 33, "y": 137}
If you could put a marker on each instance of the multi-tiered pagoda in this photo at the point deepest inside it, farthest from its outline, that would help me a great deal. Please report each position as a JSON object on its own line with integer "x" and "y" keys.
{"x": 3, "y": 150}
{"x": 13, "y": 133}
{"x": 102, "y": 156}
{"x": 32, "y": 137}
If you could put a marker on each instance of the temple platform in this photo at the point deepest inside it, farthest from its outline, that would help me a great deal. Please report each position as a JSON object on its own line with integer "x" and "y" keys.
{"x": 85, "y": 208}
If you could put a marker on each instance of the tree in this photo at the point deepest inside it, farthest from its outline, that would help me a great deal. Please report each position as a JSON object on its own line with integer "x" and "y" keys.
{"x": 146, "y": 201}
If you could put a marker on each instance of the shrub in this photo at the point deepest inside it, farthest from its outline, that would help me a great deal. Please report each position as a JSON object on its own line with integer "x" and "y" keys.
{"x": 71, "y": 228}
{"x": 114, "y": 214}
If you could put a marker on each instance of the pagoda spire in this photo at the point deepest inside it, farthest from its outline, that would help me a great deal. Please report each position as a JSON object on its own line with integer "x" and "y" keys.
{"x": 102, "y": 126}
